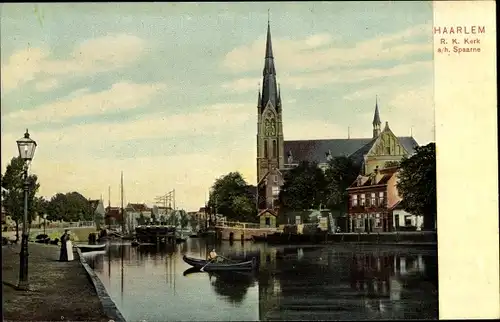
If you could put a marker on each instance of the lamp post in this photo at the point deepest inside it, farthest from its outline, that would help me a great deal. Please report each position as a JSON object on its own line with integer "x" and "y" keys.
{"x": 44, "y": 223}
{"x": 26, "y": 148}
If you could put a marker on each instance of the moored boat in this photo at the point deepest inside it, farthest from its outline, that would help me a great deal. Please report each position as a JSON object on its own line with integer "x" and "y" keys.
{"x": 220, "y": 266}
{"x": 90, "y": 248}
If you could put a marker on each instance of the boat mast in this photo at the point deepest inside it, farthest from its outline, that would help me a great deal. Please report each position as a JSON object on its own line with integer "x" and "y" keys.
{"x": 123, "y": 214}
{"x": 109, "y": 207}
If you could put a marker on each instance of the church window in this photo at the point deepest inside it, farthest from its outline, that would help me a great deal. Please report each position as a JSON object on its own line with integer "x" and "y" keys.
{"x": 276, "y": 191}
{"x": 265, "y": 149}
{"x": 275, "y": 149}
{"x": 388, "y": 150}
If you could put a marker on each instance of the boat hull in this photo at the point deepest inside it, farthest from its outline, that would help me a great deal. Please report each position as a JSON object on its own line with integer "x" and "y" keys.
{"x": 90, "y": 248}
{"x": 201, "y": 263}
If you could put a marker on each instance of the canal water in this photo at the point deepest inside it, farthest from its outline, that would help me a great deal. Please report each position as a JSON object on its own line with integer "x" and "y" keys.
{"x": 334, "y": 282}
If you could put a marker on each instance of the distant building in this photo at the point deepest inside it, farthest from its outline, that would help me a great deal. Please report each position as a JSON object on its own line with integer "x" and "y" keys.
{"x": 134, "y": 211}
{"x": 113, "y": 216}
{"x": 98, "y": 211}
{"x": 375, "y": 204}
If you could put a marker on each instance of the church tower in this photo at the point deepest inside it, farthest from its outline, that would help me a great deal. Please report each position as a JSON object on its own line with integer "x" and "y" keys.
{"x": 270, "y": 154}
{"x": 376, "y": 120}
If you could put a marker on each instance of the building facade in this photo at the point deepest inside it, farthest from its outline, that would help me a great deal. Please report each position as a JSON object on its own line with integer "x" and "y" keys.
{"x": 275, "y": 155}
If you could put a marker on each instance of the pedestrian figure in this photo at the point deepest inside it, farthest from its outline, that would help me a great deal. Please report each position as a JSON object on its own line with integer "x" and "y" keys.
{"x": 66, "y": 253}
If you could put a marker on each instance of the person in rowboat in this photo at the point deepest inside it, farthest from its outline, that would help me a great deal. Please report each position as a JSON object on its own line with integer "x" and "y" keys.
{"x": 212, "y": 256}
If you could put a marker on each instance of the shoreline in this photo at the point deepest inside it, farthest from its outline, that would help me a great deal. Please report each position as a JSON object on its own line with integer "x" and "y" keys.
{"x": 108, "y": 305}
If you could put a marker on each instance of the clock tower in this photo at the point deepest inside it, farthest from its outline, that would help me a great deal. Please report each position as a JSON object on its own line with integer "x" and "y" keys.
{"x": 270, "y": 154}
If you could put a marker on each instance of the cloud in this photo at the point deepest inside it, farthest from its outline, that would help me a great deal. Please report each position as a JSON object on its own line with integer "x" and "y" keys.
{"x": 321, "y": 78}
{"x": 313, "y": 129}
{"x": 313, "y": 55}
{"x": 121, "y": 96}
{"x": 89, "y": 57}
{"x": 47, "y": 85}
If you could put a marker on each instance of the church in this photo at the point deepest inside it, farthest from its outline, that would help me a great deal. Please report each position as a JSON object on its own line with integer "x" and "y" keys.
{"x": 275, "y": 155}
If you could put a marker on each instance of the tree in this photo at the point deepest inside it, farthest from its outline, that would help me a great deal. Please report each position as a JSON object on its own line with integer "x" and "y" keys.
{"x": 340, "y": 174}
{"x": 141, "y": 220}
{"x": 71, "y": 206}
{"x": 13, "y": 182}
{"x": 304, "y": 187}
{"x": 231, "y": 197}
{"x": 417, "y": 184}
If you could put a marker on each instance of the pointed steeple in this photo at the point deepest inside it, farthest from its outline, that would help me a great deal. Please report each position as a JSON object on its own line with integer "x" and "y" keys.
{"x": 259, "y": 99}
{"x": 376, "y": 120}
{"x": 376, "y": 116}
{"x": 269, "y": 85}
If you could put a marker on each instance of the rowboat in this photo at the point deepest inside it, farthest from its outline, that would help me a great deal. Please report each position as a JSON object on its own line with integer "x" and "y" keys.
{"x": 90, "y": 248}
{"x": 220, "y": 266}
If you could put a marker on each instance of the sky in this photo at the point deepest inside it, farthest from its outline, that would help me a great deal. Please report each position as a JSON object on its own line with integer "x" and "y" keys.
{"x": 167, "y": 92}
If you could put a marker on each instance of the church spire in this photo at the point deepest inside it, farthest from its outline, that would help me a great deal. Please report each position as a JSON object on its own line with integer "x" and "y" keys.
{"x": 269, "y": 85}
{"x": 376, "y": 120}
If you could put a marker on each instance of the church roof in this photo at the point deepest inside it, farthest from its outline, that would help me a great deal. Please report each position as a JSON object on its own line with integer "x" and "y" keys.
{"x": 317, "y": 150}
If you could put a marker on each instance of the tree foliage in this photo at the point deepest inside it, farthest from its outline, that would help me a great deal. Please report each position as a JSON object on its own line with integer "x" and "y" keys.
{"x": 13, "y": 182}
{"x": 340, "y": 174}
{"x": 389, "y": 164}
{"x": 184, "y": 219}
{"x": 71, "y": 206}
{"x": 304, "y": 187}
{"x": 417, "y": 184}
{"x": 231, "y": 197}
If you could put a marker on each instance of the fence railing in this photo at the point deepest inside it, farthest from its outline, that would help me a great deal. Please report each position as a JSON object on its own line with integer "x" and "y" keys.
{"x": 237, "y": 224}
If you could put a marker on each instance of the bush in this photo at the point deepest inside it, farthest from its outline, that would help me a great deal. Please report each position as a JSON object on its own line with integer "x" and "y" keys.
{"x": 42, "y": 236}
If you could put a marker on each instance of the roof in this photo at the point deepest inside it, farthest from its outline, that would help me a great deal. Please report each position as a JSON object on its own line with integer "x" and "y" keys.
{"x": 94, "y": 204}
{"x": 138, "y": 207}
{"x": 318, "y": 150}
{"x": 269, "y": 211}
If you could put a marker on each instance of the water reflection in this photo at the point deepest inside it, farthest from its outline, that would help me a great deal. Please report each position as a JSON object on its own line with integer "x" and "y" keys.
{"x": 341, "y": 282}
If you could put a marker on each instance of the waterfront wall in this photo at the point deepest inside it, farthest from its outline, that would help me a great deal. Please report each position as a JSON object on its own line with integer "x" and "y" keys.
{"x": 425, "y": 237}
{"x": 242, "y": 233}
{"x": 107, "y": 303}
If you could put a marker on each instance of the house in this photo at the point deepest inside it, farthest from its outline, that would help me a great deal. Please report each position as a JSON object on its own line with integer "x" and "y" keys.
{"x": 113, "y": 216}
{"x": 267, "y": 219}
{"x": 134, "y": 211}
{"x": 371, "y": 199}
{"x": 269, "y": 189}
{"x": 403, "y": 220}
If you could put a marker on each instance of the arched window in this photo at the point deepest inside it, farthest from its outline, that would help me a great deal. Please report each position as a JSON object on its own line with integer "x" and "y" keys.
{"x": 265, "y": 148}
{"x": 275, "y": 149}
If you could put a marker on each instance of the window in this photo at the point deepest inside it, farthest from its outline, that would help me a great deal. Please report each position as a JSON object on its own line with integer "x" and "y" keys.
{"x": 373, "y": 199}
{"x": 388, "y": 150}
{"x": 378, "y": 221}
{"x": 362, "y": 201}
{"x": 297, "y": 220}
{"x": 275, "y": 149}
{"x": 275, "y": 178}
{"x": 360, "y": 223}
{"x": 381, "y": 198}
{"x": 354, "y": 200}
{"x": 408, "y": 221}
{"x": 265, "y": 148}
{"x": 276, "y": 190}
{"x": 268, "y": 221}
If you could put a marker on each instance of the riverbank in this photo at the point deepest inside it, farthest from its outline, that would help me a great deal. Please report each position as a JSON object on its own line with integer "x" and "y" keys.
{"x": 422, "y": 238}
{"x": 58, "y": 290}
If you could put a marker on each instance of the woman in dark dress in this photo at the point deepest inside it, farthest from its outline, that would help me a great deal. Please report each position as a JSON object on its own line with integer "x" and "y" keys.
{"x": 63, "y": 255}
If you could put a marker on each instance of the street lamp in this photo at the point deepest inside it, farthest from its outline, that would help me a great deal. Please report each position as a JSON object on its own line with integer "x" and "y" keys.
{"x": 26, "y": 148}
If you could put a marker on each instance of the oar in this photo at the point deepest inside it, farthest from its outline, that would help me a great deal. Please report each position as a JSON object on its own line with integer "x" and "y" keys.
{"x": 201, "y": 269}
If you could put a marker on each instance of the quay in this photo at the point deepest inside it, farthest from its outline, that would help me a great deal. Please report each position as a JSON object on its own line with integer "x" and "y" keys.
{"x": 58, "y": 290}
{"x": 423, "y": 238}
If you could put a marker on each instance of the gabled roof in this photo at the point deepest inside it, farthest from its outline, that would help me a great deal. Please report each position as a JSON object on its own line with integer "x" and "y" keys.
{"x": 139, "y": 207}
{"x": 268, "y": 211}
{"x": 94, "y": 204}
{"x": 267, "y": 174}
{"x": 317, "y": 150}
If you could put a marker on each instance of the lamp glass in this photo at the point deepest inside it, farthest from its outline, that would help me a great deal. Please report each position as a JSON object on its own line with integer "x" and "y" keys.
{"x": 26, "y": 147}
